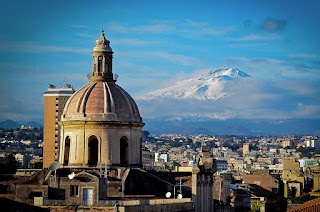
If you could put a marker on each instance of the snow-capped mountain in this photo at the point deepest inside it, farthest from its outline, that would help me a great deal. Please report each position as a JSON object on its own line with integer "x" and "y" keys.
{"x": 210, "y": 85}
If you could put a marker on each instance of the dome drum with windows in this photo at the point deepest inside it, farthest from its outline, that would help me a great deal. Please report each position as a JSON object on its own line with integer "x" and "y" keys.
{"x": 101, "y": 123}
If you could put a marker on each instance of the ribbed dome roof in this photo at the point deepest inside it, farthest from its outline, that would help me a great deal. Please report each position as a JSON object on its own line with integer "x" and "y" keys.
{"x": 101, "y": 101}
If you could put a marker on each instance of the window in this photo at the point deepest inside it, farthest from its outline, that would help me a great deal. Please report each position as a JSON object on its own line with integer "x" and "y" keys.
{"x": 74, "y": 190}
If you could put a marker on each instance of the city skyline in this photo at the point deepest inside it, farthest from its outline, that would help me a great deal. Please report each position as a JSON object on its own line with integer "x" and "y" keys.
{"x": 156, "y": 43}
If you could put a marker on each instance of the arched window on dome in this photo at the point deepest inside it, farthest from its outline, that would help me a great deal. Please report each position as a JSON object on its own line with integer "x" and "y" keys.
{"x": 100, "y": 65}
{"x": 123, "y": 151}
{"x": 66, "y": 151}
{"x": 93, "y": 151}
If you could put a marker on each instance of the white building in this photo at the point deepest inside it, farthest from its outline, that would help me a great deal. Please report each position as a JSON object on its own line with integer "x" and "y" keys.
{"x": 313, "y": 142}
{"x": 161, "y": 157}
{"x": 148, "y": 159}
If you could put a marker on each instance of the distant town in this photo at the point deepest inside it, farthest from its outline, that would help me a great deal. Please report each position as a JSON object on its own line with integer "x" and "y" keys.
{"x": 253, "y": 160}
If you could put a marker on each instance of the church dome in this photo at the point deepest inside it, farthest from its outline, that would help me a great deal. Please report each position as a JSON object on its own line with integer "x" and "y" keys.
{"x": 101, "y": 123}
{"x": 101, "y": 101}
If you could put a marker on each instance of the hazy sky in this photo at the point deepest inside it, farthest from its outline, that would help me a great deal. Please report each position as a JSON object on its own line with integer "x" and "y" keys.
{"x": 156, "y": 42}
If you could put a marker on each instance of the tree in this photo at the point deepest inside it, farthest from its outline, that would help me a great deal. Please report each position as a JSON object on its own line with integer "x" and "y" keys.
{"x": 11, "y": 164}
{"x": 255, "y": 207}
{"x": 292, "y": 193}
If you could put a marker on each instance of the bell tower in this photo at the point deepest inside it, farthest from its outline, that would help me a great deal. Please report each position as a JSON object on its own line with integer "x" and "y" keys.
{"x": 102, "y": 61}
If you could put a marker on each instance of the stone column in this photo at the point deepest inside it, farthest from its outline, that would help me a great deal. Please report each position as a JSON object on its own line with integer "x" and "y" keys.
{"x": 202, "y": 195}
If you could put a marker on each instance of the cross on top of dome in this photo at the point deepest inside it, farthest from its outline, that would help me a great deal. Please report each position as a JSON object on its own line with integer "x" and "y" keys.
{"x": 102, "y": 44}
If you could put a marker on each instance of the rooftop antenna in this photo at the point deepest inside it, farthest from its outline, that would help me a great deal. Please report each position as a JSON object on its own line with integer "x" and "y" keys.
{"x": 53, "y": 167}
{"x": 102, "y": 27}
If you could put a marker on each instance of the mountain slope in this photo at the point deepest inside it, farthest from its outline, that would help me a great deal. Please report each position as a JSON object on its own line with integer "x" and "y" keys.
{"x": 33, "y": 124}
{"x": 189, "y": 126}
{"x": 210, "y": 85}
{"x": 9, "y": 124}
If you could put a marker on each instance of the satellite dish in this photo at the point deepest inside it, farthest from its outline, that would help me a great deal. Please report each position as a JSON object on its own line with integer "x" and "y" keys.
{"x": 71, "y": 176}
{"x": 168, "y": 194}
{"x": 54, "y": 166}
{"x": 179, "y": 196}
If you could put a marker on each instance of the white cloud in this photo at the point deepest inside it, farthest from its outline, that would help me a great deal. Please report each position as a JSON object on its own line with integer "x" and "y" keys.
{"x": 273, "y": 24}
{"x": 79, "y": 26}
{"x": 203, "y": 28}
{"x": 86, "y": 35}
{"x": 254, "y": 37}
{"x": 274, "y": 69}
{"x": 155, "y": 27}
{"x": 304, "y": 56}
{"x": 158, "y": 55}
{"x": 182, "y": 28}
{"x": 39, "y": 48}
{"x": 134, "y": 42}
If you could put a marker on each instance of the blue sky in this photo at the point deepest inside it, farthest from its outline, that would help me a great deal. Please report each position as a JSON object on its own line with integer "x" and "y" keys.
{"x": 156, "y": 42}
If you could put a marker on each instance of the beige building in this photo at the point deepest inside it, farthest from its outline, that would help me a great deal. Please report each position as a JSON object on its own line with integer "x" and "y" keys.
{"x": 316, "y": 178}
{"x": 54, "y": 101}
{"x": 287, "y": 143}
{"x": 101, "y": 123}
{"x": 291, "y": 176}
{"x": 266, "y": 181}
{"x": 291, "y": 170}
{"x": 245, "y": 149}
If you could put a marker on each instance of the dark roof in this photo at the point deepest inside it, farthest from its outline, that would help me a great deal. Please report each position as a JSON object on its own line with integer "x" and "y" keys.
{"x": 59, "y": 92}
{"x": 11, "y": 205}
{"x": 294, "y": 181}
{"x": 259, "y": 191}
{"x": 310, "y": 203}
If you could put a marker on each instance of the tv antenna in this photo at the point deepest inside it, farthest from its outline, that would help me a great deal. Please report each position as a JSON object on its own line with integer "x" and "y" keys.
{"x": 53, "y": 167}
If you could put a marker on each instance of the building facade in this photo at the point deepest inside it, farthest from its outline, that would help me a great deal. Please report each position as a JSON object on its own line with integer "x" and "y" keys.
{"x": 245, "y": 149}
{"x": 55, "y": 99}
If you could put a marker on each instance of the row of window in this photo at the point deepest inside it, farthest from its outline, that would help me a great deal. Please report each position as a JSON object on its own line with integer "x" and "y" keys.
{"x": 61, "y": 98}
